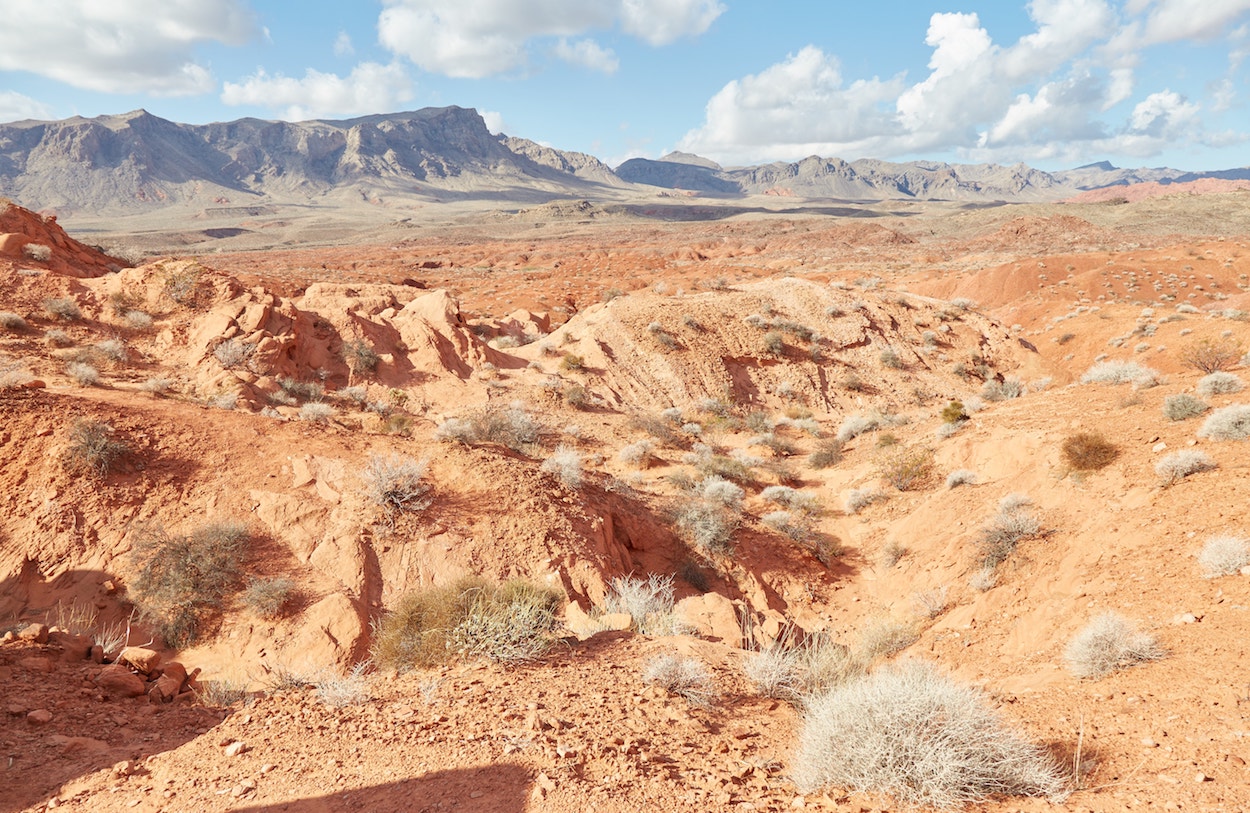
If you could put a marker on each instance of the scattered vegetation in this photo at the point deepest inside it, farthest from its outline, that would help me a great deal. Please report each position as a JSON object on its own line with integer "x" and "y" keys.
{"x": 232, "y": 353}
{"x": 912, "y": 733}
{"x": 1014, "y": 522}
{"x": 1010, "y": 387}
{"x": 63, "y": 308}
{"x": 37, "y": 252}
{"x": 360, "y": 357}
{"x": 857, "y": 499}
{"x": 511, "y": 426}
{"x": 316, "y": 412}
{"x": 340, "y": 691}
{"x": 12, "y": 321}
{"x": 1179, "y": 465}
{"x": 510, "y": 623}
{"x": 1223, "y": 555}
{"x": 797, "y": 665}
{"x": 1183, "y": 406}
{"x": 961, "y": 477}
{"x": 907, "y": 469}
{"x": 181, "y": 577}
{"x": 1118, "y": 372}
{"x": 706, "y": 524}
{"x": 954, "y": 412}
{"x": 1107, "y": 643}
{"x": 270, "y": 598}
{"x": 566, "y": 464}
{"x": 93, "y": 447}
{"x": 649, "y": 602}
{"x": 827, "y": 452}
{"x": 1088, "y": 451}
{"x": 637, "y": 454}
{"x": 884, "y": 637}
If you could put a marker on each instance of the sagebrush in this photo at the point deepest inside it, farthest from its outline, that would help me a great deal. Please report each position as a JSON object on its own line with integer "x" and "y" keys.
{"x": 1107, "y": 643}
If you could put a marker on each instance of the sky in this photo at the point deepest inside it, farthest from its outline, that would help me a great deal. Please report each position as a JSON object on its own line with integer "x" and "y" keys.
{"x": 1051, "y": 83}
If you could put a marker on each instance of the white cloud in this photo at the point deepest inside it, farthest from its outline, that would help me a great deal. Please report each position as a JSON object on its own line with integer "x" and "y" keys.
{"x": 588, "y": 54}
{"x": 479, "y": 38}
{"x": 15, "y": 107}
{"x": 123, "y": 46}
{"x": 494, "y": 121}
{"x": 1066, "y": 88}
{"x": 370, "y": 88}
{"x": 343, "y": 45}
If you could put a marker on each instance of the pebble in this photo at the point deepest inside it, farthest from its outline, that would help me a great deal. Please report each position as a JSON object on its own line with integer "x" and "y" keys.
{"x": 235, "y": 748}
{"x": 39, "y": 717}
{"x": 1149, "y": 743}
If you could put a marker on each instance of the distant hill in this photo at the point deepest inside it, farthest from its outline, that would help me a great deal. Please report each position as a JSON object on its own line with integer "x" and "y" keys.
{"x": 137, "y": 162}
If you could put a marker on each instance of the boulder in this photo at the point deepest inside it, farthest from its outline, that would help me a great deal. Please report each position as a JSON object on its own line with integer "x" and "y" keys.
{"x": 35, "y": 633}
{"x": 119, "y": 681}
{"x": 143, "y": 659}
{"x": 712, "y": 616}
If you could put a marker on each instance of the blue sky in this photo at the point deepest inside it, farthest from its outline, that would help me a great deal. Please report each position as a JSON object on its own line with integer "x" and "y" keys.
{"x": 1052, "y": 83}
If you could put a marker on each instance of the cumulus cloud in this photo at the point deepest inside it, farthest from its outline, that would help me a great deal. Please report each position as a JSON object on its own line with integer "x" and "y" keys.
{"x": 479, "y": 38}
{"x": 1068, "y": 88}
{"x": 370, "y": 88}
{"x": 124, "y": 46}
{"x": 588, "y": 54}
{"x": 15, "y": 107}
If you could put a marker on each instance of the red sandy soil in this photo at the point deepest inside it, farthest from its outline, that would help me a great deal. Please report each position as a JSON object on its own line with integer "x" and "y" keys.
{"x": 579, "y": 730}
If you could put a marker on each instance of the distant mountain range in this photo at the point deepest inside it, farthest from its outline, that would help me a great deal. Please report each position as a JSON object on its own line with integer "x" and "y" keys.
{"x": 137, "y": 162}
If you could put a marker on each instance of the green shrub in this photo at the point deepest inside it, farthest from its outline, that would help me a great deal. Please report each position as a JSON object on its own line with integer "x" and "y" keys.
{"x": 912, "y": 733}
{"x": 954, "y": 412}
{"x": 181, "y": 577}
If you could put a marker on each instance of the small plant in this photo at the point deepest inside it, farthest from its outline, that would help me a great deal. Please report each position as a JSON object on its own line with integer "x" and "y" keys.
{"x": 1219, "y": 383}
{"x": 180, "y": 577}
{"x": 1107, "y": 643}
{"x": 221, "y": 693}
{"x": 316, "y": 412}
{"x": 340, "y": 691}
{"x": 57, "y": 338}
{"x": 572, "y": 362}
{"x": 828, "y": 452}
{"x": 1229, "y": 423}
{"x": 360, "y": 357}
{"x": 1211, "y": 355}
{"x": 649, "y": 602}
{"x": 113, "y": 349}
{"x": 63, "y": 308}
{"x": 857, "y": 499}
{"x": 681, "y": 675}
{"x": 156, "y": 385}
{"x": 232, "y": 353}
{"x": 509, "y": 426}
{"x": 954, "y": 412}
{"x": 891, "y": 359}
{"x": 855, "y": 425}
{"x": 912, "y": 733}
{"x": 907, "y": 469}
{"x": 1178, "y": 465}
{"x": 1008, "y": 388}
{"x": 1014, "y": 523}
{"x": 12, "y": 321}
{"x": 1223, "y": 555}
{"x": 1183, "y": 406}
{"x": 961, "y": 477}
{"x": 270, "y": 598}
{"x": 796, "y": 666}
{"x": 885, "y": 637}
{"x": 1118, "y": 372}
{"x": 932, "y": 603}
{"x": 397, "y": 483}
{"x": 637, "y": 454}
{"x": 566, "y": 465}
{"x": 707, "y": 525}
{"x": 719, "y": 490}
{"x": 93, "y": 447}
{"x": 138, "y": 320}
{"x": 37, "y": 252}
{"x": 1088, "y": 451}
{"x": 773, "y": 343}
{"x": 984, "y": 580}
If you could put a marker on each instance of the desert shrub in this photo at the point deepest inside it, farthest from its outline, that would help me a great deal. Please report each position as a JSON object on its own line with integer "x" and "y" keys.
{"x": 907, "y": 468}
{"x": 1117, "y": 372}
{"x": 708, "y": 526}
{"x": 339, "y": 691}
{"x": 884, "y": 637}
{"x": 509, "y": 426}
{"x": 577, "y": 396}
{"x": 37, "y": 252}
{"x": 138, "y": 320}
{"x": 360, "y": 357}
{"x": 681, "y": 675}
{"x": 984, "y": 579}
{"x": 800, "y": 501}
{"x": 954, "y": 412}
{"x": 649, "y": 602}
{"x": 1179, "y": 465}
{"x": 156, "y": 385}
{"x": 1088, "y": 451}
{"x": 660, "y": 427}
{"x": 1014, "y": 523}
{"x": 13, "y": 373}
{"x": 113, "y": 350}
{"x": 961, "y": 477}
{"x": 1010, "y": 387}
{"x": 773, "y": 343}
{"x": 963, "y": 303}
{"x": 397, "y": 483}
{"x": 12, "y": 321}
{"x": 269, "y": 598}
{"x": 1223, "y": 555}
{"x": 509, "y": 623}
{"x": 1107, "y": 643}
{"x": 316, "y": 412}
{"x": 1211, "y": 355}
{"x": 719, "y": 490}
{"x": 566, "y": 464}
{"x": 232, "y": 353}
{"x": 796, "y": 666}
{"x": 62, "y": 308}
{"x": 794, "y": 525}
{"x": 309, "y": 390}
{"x": 857, "y": 499}
{"x": 93, "y": 447}
{"x": 855, "y": 425}
{"x": 932, "y": 603}
{"x": 180, "y": 577}
{"x": 572, "y": 362}
{"x": 1181, "y": 406}
{"x": 1219, "y": 383}
{"x": 828, "y": 452}
{"x": 912, "y": 733}
{"x": 637, "y": 454}
{"x": 889, "y": 358}
{"x": 57, "y": 338}
{"x": 1229, "y": 423}
{"x": 710, "y": 464}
